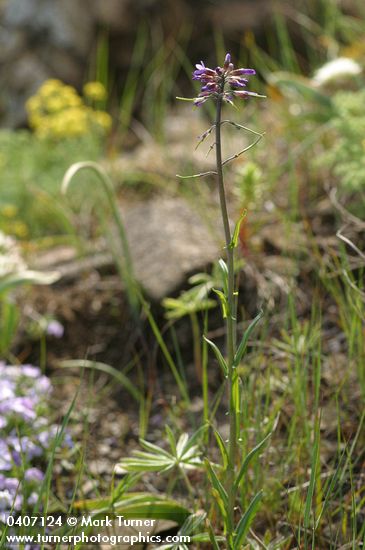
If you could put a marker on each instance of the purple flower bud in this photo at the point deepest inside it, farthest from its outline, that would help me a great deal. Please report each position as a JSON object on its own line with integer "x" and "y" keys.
{"x": 239, "y": 82}
{"x": 238, "y": 72}
{"x": 227, "y": 61}
{"x": 198, "y": 101}
{"x": 245, "y": 93}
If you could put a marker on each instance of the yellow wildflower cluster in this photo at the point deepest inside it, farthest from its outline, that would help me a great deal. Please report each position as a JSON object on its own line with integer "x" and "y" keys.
{"x": 95, "y": 91}
{"x": 57, "y": 111}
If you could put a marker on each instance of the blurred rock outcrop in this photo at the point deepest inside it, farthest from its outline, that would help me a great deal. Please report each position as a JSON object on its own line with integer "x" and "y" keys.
{"x": 42, "y": 39}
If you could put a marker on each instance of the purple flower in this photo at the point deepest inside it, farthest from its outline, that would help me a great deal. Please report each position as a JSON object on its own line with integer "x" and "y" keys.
{"x": 33, "y": 474}
{"x": 6, "y": 462}
{"x": 30, "y": 371}
{"x": 225, "y": 82}
{"x": 33, "y": 499}
{"x": 54, "y": 328}
{"x": 7, "y": 390}
{"x": 24, "y": 406}
{"x": 6, "y": 500}
{"x": 11, "y": 484}
{"x": 24, "y": 446}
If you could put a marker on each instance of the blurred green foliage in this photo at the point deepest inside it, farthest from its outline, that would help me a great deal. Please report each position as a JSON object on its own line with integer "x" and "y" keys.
{"x": 346, "y": 154}
{"x": 31, "y": 171}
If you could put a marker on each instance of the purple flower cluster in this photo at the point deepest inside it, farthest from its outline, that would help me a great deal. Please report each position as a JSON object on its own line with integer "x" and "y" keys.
{"x": 26, "y": 435}
{"x": 225, "y": 82}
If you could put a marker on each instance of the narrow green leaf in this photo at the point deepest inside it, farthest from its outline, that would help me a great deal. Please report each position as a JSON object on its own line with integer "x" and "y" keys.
{"x": 217, "y": 485}
{"x": 156, "y": 331}
{"x": 222, "y": 448}
{"x": 218, "y": 355}
{"x": 154, "y": 448}
{"x": 212, "y": 537}
{"x": 243, "y": 345}
{"x": 223, "y": 300}
{"x": 236, "y": 393}
{"x": 236, "y": 231}
{"x": 313, "y": 476}
{"x": 192, "y": 523}
{"x": 186, "y": 98}
{"x": 248, "y": 459}
{"x": 118, "y": 375}
{"x": 195, "y": 438}
{"x": 224, "y": 269}
{"x": 245, "y": 522}
{"x": 180, "y": 446}
{"x": 171, "y": 439}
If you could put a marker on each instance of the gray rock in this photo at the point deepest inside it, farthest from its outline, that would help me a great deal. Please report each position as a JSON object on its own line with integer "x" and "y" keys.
{"x": 168, "y": 242}
{"x": 64, "y": 23}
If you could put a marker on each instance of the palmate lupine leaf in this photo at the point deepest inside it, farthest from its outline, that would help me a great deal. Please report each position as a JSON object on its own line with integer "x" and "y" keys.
{"x": 183, "y": 454}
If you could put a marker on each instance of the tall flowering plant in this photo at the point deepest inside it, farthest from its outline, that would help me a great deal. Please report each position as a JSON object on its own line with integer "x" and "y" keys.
{"x": 223, "y": 85}
{"x": 184, "y": 455}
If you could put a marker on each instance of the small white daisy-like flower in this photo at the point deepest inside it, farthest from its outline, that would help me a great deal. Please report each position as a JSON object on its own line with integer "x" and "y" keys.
{"x": 336, "y": 70}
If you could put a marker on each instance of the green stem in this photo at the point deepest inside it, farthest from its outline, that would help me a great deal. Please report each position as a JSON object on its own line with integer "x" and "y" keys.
{"x": 196, "y": 345}
{"x": 231, "y": 329}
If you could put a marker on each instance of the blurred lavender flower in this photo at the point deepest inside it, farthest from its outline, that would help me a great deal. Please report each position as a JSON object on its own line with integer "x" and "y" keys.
{"x": 33, "y": 474}
{"x": 33, "y": 499}
{"x": 30, "y": 371}
{"x": 23, "y": 403}
{"x": 54, "y": 328}
{"x": 23, "y": 446}
{"x": 23, "y": 406}
{"x": 7, "y": 390}
{"x": 6, "y": 462}
{"x": 6, "y": 500}
{"x": 10, "y": 484}
{"x": 226, "y": 82}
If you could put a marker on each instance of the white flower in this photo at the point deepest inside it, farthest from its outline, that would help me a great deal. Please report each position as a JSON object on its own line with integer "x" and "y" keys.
{"x": 10, "y": 257}
{"x": 338, "y": 69}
